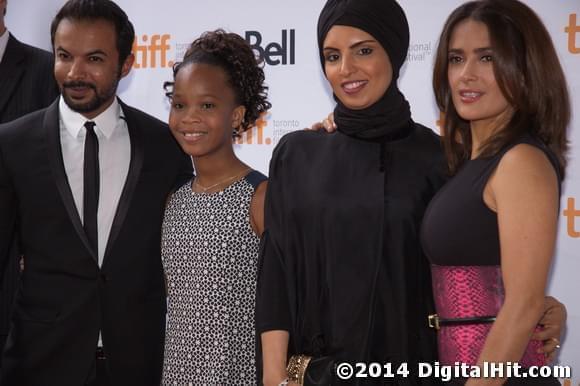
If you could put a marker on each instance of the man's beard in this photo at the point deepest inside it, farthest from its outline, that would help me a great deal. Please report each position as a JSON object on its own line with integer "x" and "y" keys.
{"x": 97, "y": 101}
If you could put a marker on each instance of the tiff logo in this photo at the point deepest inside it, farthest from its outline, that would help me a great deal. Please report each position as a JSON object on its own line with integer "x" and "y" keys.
{"x": 572, "y": 30}
{"x": 255, "y": 135}
{"x": 571, "y": 214}
{"x": 152, "y": 49}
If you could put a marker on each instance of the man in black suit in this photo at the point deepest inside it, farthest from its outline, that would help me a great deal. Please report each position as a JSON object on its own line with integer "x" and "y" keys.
{"x": 84, "y": 181}
{"x": 27, "y": 84}
{"x": 26, "y": 75}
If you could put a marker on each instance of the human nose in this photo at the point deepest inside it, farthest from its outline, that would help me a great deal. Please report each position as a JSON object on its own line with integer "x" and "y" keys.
{"x": 469, "y": 71}
{"x": 346, "y": 65}
{"x": 191, "y": 116}
{"x": 76, "y": 70}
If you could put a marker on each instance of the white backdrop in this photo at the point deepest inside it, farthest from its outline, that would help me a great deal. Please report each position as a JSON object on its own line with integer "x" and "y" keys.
{"x": 287, "y": 30}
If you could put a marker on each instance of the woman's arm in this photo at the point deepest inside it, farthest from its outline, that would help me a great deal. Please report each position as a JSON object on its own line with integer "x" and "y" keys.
{"x": 524, "y": 192}
{"x": 274, "y": 354}
{"x": 274, "y": 343}
{"x": 273, "y": 319}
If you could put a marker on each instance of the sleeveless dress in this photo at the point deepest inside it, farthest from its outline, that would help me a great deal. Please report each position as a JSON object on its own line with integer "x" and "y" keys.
{"x": 210, "y": 255}
{"x": 460, "y": 237}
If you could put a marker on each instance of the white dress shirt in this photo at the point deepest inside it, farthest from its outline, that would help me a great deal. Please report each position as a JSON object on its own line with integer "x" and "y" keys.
{"x": 114, "y": 159}
{"x": 3, "y": 43}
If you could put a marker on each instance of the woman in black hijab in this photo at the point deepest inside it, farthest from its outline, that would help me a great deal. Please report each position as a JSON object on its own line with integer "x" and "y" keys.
{"x": 342, "y": 276}
{"x": 342, "y": 269}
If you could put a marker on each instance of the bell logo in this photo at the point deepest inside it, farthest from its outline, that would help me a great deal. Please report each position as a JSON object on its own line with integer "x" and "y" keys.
{"x": 153, "y": 47}
{"x": 571, "y": 213}
{"x": 274, "y": 53}
{"x": 572, "y": 30}
{"x": 255, "y": 135}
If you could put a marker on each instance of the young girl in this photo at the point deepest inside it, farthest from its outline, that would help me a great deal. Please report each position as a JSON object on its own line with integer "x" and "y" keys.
{"x": 213, "y": 224}
{"x": 490, "y": 232}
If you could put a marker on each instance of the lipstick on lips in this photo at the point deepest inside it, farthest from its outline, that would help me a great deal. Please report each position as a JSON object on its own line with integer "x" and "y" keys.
{"x": 352, "y": 87}
{"x": 470, "y": 96}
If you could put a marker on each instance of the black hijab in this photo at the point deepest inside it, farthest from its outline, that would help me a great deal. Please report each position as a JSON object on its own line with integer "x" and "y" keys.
{"x": 387, "y": 23}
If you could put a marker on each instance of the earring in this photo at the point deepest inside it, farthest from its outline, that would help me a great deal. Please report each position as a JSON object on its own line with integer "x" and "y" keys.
{"x": 236, "y": 133}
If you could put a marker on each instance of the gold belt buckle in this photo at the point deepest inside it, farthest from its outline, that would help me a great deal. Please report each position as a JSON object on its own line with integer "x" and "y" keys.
{"x": 434, "y": 321}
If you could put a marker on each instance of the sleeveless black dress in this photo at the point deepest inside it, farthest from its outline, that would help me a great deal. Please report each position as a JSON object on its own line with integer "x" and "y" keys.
{"x": 460, "y": 236}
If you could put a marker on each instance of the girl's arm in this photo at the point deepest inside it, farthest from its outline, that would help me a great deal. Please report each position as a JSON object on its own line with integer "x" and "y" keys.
{"x": 257, "y": 209}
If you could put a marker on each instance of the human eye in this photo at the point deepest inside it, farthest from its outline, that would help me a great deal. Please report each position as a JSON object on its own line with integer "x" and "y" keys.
{"x": 62, "y": 55}
{"x": 487, "y": 58}
{"x": 454, "y": 58}
{"x": 207, "y": 106}
{"x": 365, "y": 51}
{"x": 332, "y": 57}
{"x": 95, "y": 59}
{"x": 176, "y": 105}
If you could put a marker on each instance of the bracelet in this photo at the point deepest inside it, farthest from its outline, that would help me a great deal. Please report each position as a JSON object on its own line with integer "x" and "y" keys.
{"x": 297, "y": 368}
{"x": 284, "y": 382}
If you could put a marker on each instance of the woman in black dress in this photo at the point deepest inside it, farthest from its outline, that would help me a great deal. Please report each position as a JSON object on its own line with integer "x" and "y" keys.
{"x": 491, "y": 231}
{"x": 342, "y": 275}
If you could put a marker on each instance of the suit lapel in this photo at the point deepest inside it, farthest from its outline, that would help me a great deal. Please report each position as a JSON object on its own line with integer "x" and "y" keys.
{"x": 52, "y": 131}
{"x": 135, "y": 166}
{"x": 10, "y": 71}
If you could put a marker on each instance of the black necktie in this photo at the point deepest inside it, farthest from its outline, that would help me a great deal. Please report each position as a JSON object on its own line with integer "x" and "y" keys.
{"x": 91, "y": 185}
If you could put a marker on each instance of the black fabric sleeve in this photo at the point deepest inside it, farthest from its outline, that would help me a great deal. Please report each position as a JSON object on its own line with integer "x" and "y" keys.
{"x": 272, "y": 305}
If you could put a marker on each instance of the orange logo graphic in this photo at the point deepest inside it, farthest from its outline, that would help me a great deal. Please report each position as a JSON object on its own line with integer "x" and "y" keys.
{"x": 152, "y": 52}
{"x": 572, "y": 30}
{"x": 571, "y": 213}
{"x": 255, "y": 135}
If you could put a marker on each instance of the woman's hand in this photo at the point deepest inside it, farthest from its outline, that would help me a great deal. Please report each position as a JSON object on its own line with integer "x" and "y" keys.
{"x": 554, "y": 321}
{"x": 326, "y": 124}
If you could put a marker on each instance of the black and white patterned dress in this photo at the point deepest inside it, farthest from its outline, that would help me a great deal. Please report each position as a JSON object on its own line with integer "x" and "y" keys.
{"x": 210, "y": 255}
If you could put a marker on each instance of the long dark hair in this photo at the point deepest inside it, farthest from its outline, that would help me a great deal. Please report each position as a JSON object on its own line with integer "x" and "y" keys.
{"x": 527, "y": 71}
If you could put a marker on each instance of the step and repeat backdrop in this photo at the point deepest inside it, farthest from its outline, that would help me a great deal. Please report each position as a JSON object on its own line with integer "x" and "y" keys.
{"x": 284, "y": 34}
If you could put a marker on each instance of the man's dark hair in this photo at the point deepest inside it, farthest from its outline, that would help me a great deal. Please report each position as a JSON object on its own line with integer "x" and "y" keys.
{"x": 91, "y": 10}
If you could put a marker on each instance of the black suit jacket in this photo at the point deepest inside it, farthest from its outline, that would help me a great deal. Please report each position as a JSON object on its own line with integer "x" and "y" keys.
{"x": 65, "y": 299}
{"x": 26, "y": 80}
{"x": 27, "y": 84}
